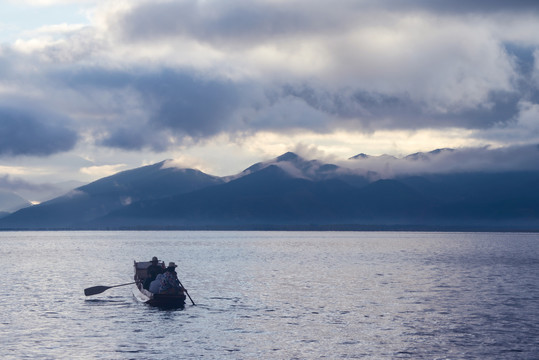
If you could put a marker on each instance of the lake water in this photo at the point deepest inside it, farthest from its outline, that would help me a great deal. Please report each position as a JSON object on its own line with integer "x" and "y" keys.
{"x": 274, "y": 295}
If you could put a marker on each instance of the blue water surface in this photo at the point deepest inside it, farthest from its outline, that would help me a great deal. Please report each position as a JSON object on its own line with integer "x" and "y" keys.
{"x": 274, "y": 295}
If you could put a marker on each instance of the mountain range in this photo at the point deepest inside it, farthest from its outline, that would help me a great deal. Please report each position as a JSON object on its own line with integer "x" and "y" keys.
{"x": 290, "y": 192}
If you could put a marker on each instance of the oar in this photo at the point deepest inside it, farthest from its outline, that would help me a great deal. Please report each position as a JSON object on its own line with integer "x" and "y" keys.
{"x": 184, "y": 289}
{"x": 99, "y": 289}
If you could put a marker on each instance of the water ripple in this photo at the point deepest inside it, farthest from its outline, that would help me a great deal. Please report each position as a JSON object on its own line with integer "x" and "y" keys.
{"x": 275, "y": 295}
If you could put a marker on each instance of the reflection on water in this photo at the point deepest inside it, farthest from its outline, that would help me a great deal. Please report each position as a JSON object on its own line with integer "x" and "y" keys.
{"x": 273, "y": 295}
{"x": 105, "y": 301}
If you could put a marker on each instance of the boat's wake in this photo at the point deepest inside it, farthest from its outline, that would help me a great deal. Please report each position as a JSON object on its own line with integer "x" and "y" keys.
{"x": 105, "y": 302}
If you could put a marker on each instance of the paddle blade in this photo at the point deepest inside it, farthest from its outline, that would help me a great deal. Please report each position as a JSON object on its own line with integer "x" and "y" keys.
{"x": 95, "y": 290}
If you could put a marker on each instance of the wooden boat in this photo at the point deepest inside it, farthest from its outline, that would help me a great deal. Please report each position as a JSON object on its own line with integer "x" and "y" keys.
{"x": 145, "y": 296}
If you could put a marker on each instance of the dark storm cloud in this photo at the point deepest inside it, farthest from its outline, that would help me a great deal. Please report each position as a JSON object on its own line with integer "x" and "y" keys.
{"x": 463, "y": 6}
{"x": 27, "y": 133}
{"x": 377, "y": 71}
{"x": 241, "y": 21}
{"x": 481, "y": 96}
{"x": 524, "y": 59}
{"x": 525, "y": 62}
{"x": 175, "y": 102}
{"x": 231, "y": 22}
{"x": 379, "y": 110}
{"x": 133, "y": 138}
{"x": 183, "y": 103}
{"x": 196, "y": 106}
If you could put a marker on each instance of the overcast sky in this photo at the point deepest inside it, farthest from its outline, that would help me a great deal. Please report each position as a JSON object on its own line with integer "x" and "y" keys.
{"x": 89, "y": 88}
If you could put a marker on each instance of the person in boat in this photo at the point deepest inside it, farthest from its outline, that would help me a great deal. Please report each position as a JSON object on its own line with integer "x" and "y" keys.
{"x": 152, "y": 271}
{"x": 156, "y": 284}
{"x": 169, "y": 282}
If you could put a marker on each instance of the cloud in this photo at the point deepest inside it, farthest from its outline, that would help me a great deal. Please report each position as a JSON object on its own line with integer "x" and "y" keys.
{"x": 376, "y": 63}
{"x": 34, "y": 192}
{"x": 136, "y": 138}
{"x": 463, "y": 6}
{"x": 159, "y": 108}
{"x": 10, "y": 183}
{"x": 50, "y": 2}
{"x": 26, "y": 133}
{"x": 196, "y": 106}
{"x": 466, "y": 159}
{"x": 244, "y": 23}
{"x": 102, "y": 171}
{"x": 234, "y": 23}
{"x": 524, "y": 128}
{"x": 160, "y": 75}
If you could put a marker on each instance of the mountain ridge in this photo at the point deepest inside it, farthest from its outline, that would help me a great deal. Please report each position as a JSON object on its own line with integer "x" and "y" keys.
{"x": 94, "y": 200}
{"x": 290, "y": 192}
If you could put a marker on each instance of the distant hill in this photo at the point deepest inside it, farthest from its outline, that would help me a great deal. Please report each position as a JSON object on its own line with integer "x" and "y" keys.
{"x": 9, "y": 202}
{"x": 271, "y": 197}
{"x": 97, "y": 199}
{"x": 277, "y": 192}
{"x": 314, "y": 170}
{"x": 290, "y": 192}
{"x": 471, "y": 198}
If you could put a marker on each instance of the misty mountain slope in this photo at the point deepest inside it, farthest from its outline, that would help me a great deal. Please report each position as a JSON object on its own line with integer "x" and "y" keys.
{"x": 290, "y": 191}
{"x": 489, "y": 199}
{"x": 10, "y": 202}
{"x": 314, "y": 170}
{"x": 268, "y": 195}
{"x": 395, "y": 200}
{"x": 272, "y": 196}
{"x": 152, "y": 181}
{"x": 501, "y": 199}
{"x": 102, "y": 196}
{"x": 476, "y": 186}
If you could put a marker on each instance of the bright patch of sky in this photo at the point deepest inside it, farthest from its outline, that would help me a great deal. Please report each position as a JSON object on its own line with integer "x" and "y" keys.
{"x": 19, "y": 19}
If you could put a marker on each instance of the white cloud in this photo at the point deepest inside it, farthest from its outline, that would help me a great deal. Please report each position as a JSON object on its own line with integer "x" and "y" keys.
{"x": 446, "y": 64}
{"x": 226, "y": 83}
{"x": 44, "y": 3}
{"x": 464, "y": 159}
{"x": 102, "y": 170}
{"x": 16, "y": 170}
